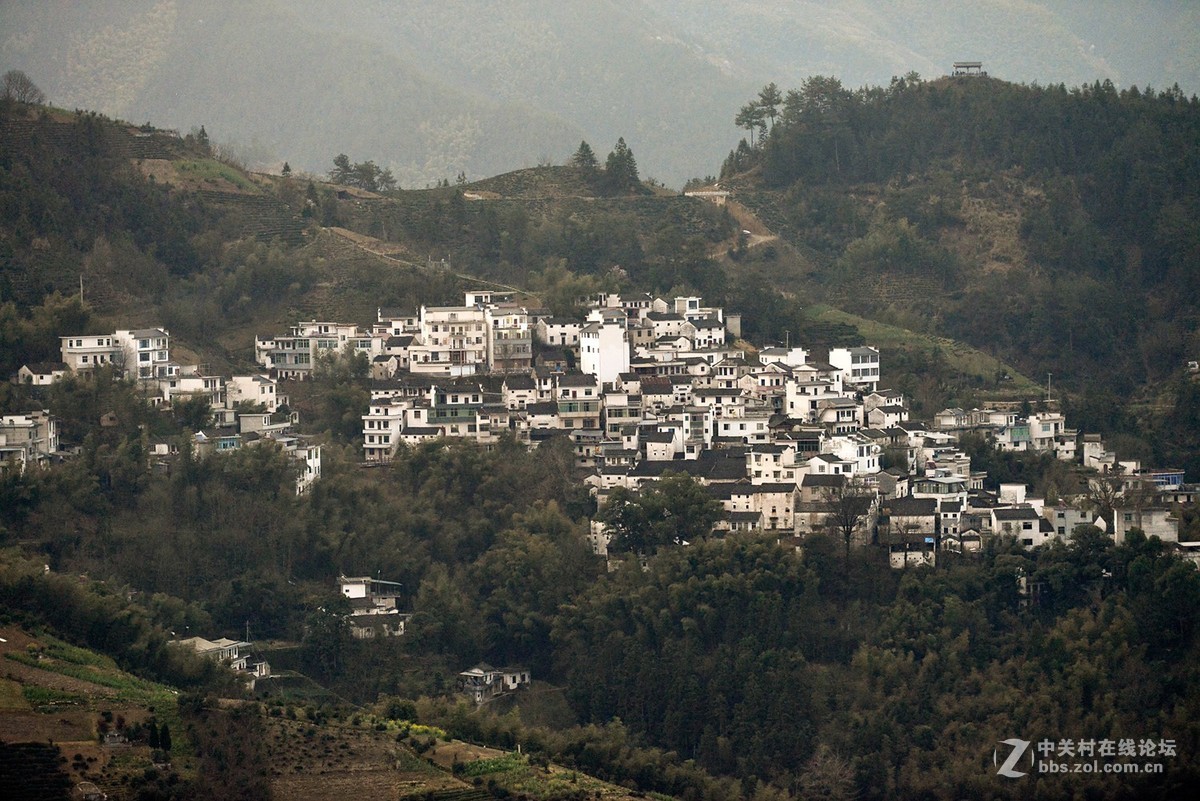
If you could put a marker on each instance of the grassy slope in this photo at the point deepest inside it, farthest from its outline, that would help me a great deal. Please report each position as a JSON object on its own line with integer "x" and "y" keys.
{"x": 961, "y": 358}
{"x": 796, "y": 273}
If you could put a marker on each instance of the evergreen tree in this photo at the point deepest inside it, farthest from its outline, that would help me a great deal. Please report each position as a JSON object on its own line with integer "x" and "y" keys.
{"x": 342, "y": 170}
{"x": 164, "y": 738}
{"x": 584, "y": 160}
{"x": 750, "y": 117}
{"x": 769, "y": 100}
{"x": 620, "y": 169}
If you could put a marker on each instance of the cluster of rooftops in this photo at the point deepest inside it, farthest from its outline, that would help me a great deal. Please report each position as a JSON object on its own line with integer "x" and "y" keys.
{"x": 646, "y": 386}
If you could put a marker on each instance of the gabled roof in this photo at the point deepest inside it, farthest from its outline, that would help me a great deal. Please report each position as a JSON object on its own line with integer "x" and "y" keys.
{"x": 577, "y": 380}
{"x": 832, "y": 480}
{"x": 912, "y": 507}
{"x": 519, "y": 382}
{"x": 1019, "y": 513}
{"x": 762, "y": 489}
{"x": 723, "y": 491}
{"x": 712, "y": 467}
{"x": 656, "y": 385}
{"x": 770, "y": 447}
{"x": 45, "y": 368}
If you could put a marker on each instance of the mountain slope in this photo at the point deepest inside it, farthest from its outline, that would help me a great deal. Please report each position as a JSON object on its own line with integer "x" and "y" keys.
{"x": 435, "y": 89}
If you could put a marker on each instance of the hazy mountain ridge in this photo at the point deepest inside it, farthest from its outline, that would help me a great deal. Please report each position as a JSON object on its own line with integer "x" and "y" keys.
{"x": 432, "y": 90}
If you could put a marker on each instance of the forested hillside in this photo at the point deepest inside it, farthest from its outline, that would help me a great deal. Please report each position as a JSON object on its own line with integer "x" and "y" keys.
{"x": 735, "y": 668}
{"x": 1055, "y": 228}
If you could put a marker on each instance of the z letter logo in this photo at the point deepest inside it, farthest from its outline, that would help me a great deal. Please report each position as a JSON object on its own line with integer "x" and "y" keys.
{"x": 1018, "y": 750}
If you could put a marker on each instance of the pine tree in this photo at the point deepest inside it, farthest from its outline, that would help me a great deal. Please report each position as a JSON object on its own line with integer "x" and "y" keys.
{"x": 769, "y": 100}
{"x": 342, "y": 170}
{"x": 164, "y": 738}
{"x": 585, "y": 159}
{"x": 620, "y": 169}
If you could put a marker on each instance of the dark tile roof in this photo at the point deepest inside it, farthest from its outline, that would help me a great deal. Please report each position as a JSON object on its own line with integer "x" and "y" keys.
{"x": 823, "y": 480}
{"x": 1020, "y": 513}
{"x": 515, "y": 382}
{"x": 912, "y": 507}
{"x": 714, "y": 467}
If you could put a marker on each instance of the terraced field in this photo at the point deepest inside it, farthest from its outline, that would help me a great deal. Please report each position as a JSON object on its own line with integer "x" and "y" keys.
{"x": 259, "y": 216}
{"x": 54, "y": 700}
{"x": 336, "y": 761}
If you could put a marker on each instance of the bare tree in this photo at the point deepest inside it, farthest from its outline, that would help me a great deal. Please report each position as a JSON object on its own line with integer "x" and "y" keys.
{"x": 827, "y": 775}
{"x": 19, "y": 87}
{"x": 1115, "y": 491}
{"x": 850, "y": 507}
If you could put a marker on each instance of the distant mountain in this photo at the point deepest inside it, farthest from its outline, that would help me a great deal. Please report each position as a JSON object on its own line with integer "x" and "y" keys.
{"x": 482, "y": 87}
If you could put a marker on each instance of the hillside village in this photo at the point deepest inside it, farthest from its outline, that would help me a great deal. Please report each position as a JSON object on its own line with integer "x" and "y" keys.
{"x": 644, "y": 387}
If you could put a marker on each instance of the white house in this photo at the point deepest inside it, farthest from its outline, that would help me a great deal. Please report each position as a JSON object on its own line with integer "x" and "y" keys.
{"x": 145, "y": 353}
{"x": 41, "y": 374}
{"x": 453, "y": 341}
{"x": 509, "y": 339}
{"x": 375, "y": 612}
{"x": 293, "y": 355}
{"x": 559, "y": 332}
{"x": 27, "y": 439}
{"x": 259, "y": 390}
{"x": 82, "y": 353}
{"x": 859, "y": 366}
{"x": 604, "y": 350}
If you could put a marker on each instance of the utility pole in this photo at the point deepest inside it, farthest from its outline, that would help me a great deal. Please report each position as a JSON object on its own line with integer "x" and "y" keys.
{"x": 1048, "y": 376}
